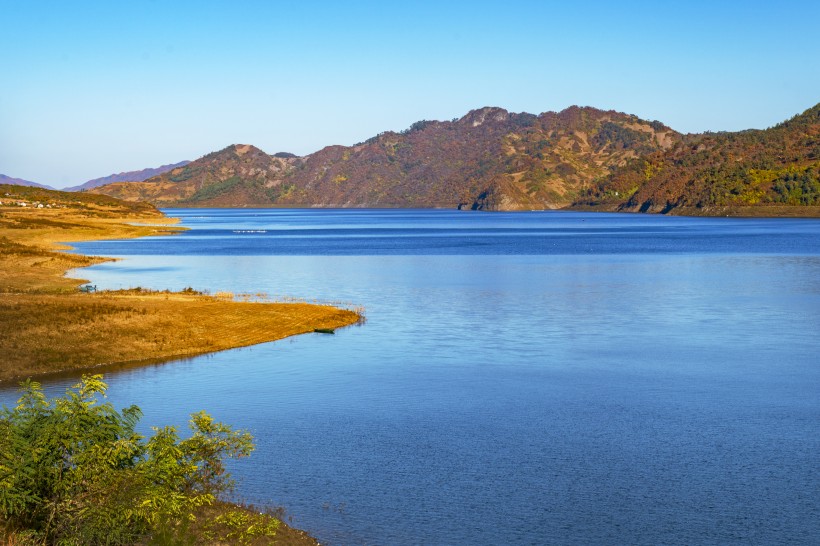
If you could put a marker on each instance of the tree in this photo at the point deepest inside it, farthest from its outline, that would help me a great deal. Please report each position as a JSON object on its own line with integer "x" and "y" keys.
{"x": 73, "y": 470}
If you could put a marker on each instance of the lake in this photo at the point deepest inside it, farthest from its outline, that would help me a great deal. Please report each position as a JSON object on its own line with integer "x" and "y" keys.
{"x": 521, "y": 378}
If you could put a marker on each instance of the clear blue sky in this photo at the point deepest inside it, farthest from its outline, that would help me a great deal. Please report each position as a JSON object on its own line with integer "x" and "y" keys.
{"x": 92, "y": 88}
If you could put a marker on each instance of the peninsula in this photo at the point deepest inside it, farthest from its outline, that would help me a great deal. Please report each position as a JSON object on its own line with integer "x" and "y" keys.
{"x": 49, "y": 325}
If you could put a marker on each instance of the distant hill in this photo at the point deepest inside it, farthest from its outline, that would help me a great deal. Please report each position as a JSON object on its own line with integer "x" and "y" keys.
{"x": 20, "y": 182}
{"x": 238, "y": 175}
{"x": 488, "y": 159}
{"x": 132, "y": 176}
{"x": 90, "y": 204}
{"x": 771, "y": 171}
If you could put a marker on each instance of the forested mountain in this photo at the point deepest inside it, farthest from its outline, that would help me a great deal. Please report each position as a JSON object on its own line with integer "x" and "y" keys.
{"x": 713, "y": 173}
{"x": 492, "y": 159}
{"x": 488, "y": 159}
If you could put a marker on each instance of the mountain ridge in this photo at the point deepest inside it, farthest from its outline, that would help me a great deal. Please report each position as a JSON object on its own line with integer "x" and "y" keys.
{"x": 712, "y": 172}
{"x": 493, "y": 159}
{"x": 20, "y": 182}
{"x": 489, "y": 158}
{"x": 130, "y": 176}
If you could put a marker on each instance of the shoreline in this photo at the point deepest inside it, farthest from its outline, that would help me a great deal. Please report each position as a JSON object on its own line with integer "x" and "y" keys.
{"x": 53, "y": 328}
{"x": 771, "y": 210}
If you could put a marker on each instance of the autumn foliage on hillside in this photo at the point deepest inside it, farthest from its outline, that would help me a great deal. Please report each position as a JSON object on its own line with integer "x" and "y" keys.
{"x": 771, "y": 168}
{"x": 488, "y": 159}
{"x": 491, "y": 159}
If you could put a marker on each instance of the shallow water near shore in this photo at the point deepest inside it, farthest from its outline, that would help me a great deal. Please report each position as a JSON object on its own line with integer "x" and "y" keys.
{"x": 523, "y": 378}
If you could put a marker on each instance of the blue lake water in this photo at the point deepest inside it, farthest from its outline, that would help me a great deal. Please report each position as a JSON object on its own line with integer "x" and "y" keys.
{"x": 523, "y": 378}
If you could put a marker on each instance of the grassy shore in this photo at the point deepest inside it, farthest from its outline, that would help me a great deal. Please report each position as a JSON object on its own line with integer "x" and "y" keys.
{"x": 50, "y": 326}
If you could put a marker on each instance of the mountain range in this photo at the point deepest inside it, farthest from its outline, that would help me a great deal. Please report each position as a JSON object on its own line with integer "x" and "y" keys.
{"x": 131, "y": 176}
{"x": 135, "y": 176}
{"x": 20, "y": 182}
{"x": 488, "y": 159}
{"x": 492, "y": 159}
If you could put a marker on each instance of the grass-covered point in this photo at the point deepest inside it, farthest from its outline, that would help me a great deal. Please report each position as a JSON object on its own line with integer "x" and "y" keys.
{"x": 73, "y": 470}
{"x": 48, "y": 325}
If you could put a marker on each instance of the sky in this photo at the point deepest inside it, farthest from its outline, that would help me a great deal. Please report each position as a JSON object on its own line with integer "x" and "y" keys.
{"x": 91, "y": 88}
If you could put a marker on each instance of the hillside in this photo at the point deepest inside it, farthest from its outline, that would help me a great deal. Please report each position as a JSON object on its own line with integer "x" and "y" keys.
{"x": 235, "y": 176}
{"x": 488, "y": 159}
{"x": 20, "y": 182}
{"x": 130, "y": 176}
{"x": 771, "y": 171}
{"x": 491, "y": 159}
{"x": 14, "y": 197}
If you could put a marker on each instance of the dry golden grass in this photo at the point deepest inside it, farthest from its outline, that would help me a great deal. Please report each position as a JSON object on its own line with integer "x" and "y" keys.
{"x": 51, "y": 332}
{"x": 48, "y": 326}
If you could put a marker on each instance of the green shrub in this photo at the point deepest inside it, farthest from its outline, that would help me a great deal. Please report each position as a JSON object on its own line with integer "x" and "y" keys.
{"x": 74, "y": 471}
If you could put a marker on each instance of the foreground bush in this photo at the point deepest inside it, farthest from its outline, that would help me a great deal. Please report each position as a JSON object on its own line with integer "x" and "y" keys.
{"x": 74, "y": 471}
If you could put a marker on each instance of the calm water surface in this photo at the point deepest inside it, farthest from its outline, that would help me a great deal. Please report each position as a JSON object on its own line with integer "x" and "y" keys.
{"x": 528, "y": 378}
